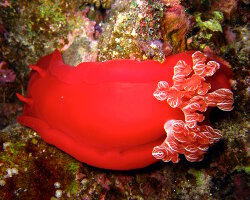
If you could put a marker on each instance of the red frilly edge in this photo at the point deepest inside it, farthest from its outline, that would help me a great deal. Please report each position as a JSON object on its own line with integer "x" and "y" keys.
{"x": 105, "y": 114}
{"x": 189, "y": 93}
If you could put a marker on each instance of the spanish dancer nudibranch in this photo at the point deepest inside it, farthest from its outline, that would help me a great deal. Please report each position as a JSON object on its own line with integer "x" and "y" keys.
{"x": 106, "y": 115}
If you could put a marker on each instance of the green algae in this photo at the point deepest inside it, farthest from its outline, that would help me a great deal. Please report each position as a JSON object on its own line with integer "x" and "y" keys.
{"x": 209, "y": 27}
{"x": 209, "y": 30}
{"x": 16, "y": 148}
{"x": 199, "y": 178}
{"x": 246, "y": 169}
{"x": 73, "y": 187}
{"x": 13, "y": 151}
{"x": 74, "y": 166}
{"x": 213, "y": 24}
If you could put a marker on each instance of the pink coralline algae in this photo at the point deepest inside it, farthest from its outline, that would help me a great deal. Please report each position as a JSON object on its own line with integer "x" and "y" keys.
{"x": 189, "y": 92}
{"x": 6, "y": 75}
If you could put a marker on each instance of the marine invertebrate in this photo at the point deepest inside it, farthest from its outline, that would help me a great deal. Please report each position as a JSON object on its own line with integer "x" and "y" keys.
{"x": 103, "y": 113}
{"x": 190, "y": 94}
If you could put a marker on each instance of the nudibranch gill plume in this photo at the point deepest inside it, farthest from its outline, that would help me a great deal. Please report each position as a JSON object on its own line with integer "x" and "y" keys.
{"x": 107, "y": 115}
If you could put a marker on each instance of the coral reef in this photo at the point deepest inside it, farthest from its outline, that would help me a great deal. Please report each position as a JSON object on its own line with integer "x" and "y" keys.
{"x": 144, "y": 30}
{"x": 32, "y": 169}
{"x": 22, "y": 167}
{"x": 130, "y": 29}
{"x": 29, "y": 30}
{"x": 32, "y": 29}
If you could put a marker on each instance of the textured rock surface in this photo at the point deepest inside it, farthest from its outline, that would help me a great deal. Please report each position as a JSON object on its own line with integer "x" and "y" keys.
{"x": 30, "y": 168}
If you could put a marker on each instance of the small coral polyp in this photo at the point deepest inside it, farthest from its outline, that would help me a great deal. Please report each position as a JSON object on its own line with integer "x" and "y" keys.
{"x": 190, "y": 94}
{"x": 105, "y": 114}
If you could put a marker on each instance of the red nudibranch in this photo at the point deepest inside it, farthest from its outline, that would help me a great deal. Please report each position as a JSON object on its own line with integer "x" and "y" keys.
{"x": 106, "y": 114}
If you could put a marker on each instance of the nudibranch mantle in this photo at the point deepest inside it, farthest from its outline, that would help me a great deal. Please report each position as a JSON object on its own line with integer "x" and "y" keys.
{"x": 104, "y": 113}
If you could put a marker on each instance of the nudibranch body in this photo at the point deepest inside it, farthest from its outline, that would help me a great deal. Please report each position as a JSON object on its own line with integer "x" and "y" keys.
{"x": 105, "y": 114}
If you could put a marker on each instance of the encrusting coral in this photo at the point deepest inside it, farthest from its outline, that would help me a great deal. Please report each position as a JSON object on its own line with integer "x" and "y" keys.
{"x": 190, "y": 93}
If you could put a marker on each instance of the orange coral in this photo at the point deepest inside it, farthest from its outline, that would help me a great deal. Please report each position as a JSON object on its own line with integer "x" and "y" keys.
{"x": 190, "y": 93}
